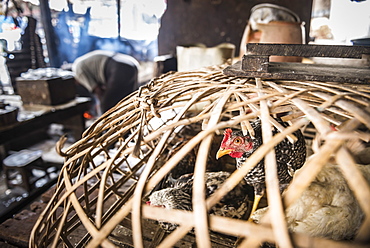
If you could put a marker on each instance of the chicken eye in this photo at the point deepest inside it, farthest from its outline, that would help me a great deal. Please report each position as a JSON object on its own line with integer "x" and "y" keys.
{"x": 238, "y": 141}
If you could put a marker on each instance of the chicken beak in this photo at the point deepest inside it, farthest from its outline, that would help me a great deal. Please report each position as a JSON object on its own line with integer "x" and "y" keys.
{"x": 221, "y": 152}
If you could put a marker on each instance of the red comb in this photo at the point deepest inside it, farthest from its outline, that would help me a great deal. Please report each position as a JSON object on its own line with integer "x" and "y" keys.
{"x": 227, "y": 134}
{"x": 228, "y": 131}
{"x": 334, "y": 128}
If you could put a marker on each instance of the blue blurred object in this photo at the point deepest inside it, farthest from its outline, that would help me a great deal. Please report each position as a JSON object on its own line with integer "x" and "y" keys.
{"x": 365, "y": 41}
{"x": 5, "y": 19}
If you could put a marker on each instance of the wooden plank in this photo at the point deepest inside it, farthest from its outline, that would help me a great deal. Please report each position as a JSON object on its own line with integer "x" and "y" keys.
{"x": 300, "y": 71}
{"x": 17, "y": 230}
{"x": 255, "y": 63}
{"x": 6, "y": 245}
{"x": 52, "y": 114}
{"x": 300, "y": 50}
{"x": 153, "y": 235}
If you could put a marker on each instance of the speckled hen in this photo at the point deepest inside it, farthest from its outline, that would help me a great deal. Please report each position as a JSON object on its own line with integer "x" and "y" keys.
{"x": 289, "y": 156}
{"x": 233, "y": 205}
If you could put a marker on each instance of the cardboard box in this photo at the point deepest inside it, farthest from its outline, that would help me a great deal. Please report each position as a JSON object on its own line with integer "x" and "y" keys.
{"x": 46, "y": 91}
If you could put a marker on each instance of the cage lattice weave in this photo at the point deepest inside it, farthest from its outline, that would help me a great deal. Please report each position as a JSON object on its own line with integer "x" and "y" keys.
{"x": 109, "y": 172}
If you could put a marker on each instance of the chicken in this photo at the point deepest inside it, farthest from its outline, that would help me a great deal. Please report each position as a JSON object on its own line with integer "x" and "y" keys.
{"x": 233, "y": 205}
{"x": 289, "y": 157}
{"x": 187, "y": 163}
{"x": 327, "y": 208}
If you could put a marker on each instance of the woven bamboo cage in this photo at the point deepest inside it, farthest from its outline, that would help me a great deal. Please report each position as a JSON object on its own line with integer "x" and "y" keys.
{"x": 100, "y": 196}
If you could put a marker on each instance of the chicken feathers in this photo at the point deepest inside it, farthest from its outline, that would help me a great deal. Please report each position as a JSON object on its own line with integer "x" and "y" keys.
{"x": 327, "y": 208}
{"x": 233, "y": 205}
{"x": 289, "y": 156}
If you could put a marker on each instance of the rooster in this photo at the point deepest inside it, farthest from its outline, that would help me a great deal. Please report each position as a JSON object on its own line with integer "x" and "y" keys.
{"x": 289, "y": 157}
{"x": 233, "y": 205}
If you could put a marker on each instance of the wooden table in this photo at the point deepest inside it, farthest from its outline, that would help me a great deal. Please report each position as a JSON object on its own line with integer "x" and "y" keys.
{"x": 38, "y": 117}
{"x": 33, "y": 123}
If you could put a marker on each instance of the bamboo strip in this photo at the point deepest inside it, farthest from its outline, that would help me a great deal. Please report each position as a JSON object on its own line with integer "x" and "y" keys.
{"x": 272, "y": 183}
{"x": 170, "y": 103}
{"x": 355, "y": 181}
{"x": 303, "y": 178}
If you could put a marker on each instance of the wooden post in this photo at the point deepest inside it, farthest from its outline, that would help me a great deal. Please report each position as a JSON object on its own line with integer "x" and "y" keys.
{"x": 51, "y": 39}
